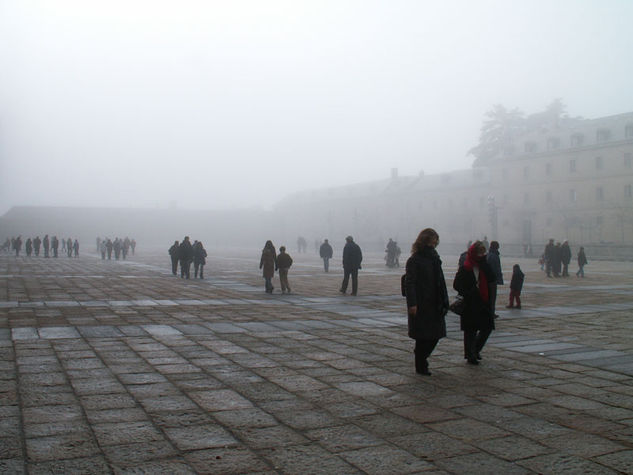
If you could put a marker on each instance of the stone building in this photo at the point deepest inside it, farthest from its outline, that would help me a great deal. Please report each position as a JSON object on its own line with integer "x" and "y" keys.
{"x": 571, "y": 179}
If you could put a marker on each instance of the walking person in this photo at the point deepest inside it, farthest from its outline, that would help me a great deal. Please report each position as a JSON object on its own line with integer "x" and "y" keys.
{"x": 68, "y": 244}
{"x": 199, "y": 259}
{"x": 103, "y": 248}
{"x": 28, "y": 247}
{"x": 494, "y": 261}
{"x": 548, "y": 257}
{"x": 17, "y": 245}
{"x": 46, "y": 243}
{"x": 284, "y": 261}
{"x": 109, "y": 247}
{"x": 76, "y": 248}
{"x": 516, "y": 284}
{"x": 474, "y": 281}
{"x": 582, "y": 261}
{"x": 173, "y": 253}
{"x": 37, "y": 242}
{"x": 55, "y": 245}
{"x": 427, "y": 298}
{"x": 565, "y": 254}
{"x": 326, "y": 252}
{"x": 352, "y": 258}
{"x": 185, "y": 256}
{"x": 268, "y": 264}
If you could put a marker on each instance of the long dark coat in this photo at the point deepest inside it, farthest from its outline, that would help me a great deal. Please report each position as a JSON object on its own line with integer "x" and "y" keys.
{"x": 478, "y": 315}
{"x": 565, "y": 254}
{"x": 352, "y": 256}
{"x": 426, "y": 289}
{"x": 199, "y": 255}
{"x": 185, "y": 251}
{"x": 268, "y": 262}
{"x": 494, "y": 261}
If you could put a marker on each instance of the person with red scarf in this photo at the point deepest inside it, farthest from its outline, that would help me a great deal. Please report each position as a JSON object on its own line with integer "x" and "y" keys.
{"x": 475, "y": 281}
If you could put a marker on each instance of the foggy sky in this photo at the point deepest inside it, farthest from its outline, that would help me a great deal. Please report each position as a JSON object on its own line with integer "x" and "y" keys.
{"x": 239, "y": 103}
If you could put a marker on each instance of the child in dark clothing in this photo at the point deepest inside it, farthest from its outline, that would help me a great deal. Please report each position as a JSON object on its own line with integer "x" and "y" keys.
{"x": 516, "y": 284}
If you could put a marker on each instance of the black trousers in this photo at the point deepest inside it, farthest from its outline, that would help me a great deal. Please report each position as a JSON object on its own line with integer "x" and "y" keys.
{"x": 198, "y": 267}
{"x": 184, "y": 268}
{"x": 474, "y": 342}
{"x": 174, "y": 266}
{"x": 423, "y": 349}
{"x": 346, "y": 274}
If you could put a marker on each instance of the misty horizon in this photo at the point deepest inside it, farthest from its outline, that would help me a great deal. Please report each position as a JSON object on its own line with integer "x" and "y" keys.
{"x": 225, "y": 106}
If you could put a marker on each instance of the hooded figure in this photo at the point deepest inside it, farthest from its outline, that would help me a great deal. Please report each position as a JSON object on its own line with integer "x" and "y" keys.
{"x": 268, "y": 264}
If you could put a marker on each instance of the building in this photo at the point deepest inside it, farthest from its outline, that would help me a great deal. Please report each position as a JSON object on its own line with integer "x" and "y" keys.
{"x": 563, "y": 179}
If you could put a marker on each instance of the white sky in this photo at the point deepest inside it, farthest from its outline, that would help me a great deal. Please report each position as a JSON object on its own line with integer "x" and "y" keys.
{"x": 230, "y": 104}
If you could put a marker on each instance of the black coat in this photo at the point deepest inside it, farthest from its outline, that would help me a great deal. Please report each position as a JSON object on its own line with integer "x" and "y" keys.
{"x": 326, "y": 250}
{"x": 185, "y": 251}
{"x": 478, "y": 315}
{"x": 352, "y": 256}
{"x": 426, "y": 289}
{"x": 199, "y": 255}
{"x": 565, "y": 254}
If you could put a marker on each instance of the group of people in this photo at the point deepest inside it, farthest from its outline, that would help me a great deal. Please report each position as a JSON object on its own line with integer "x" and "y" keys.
{"x": 392, "y": 254}
{"x": 476, "y": 282}
{"x": 121, "y": 247}
{"x": 185, "y": 253}
{"x": 50, "y": 246}
{"x": 556, "y": 258}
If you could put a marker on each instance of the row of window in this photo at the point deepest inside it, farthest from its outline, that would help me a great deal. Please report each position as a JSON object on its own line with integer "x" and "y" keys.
{"x": 573, "y": 166}
{"x": 577, "y": 140}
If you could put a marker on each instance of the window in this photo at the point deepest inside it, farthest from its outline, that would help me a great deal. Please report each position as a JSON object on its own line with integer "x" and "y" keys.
{"x": 598, "y": 163}
{"x": 577, "y": 140}
{"x": 553, "y": 143}
{"x": 530, "y": 147}
{"x": 628, "y": 131}
{"x": 548, "y": 169}
{"x": 572, "y": 166}
{"x": 548, "y": 196}
{"x": 602, "y": 135}
{"x": 628, "y": 191}
{"x": 572, "y": 196}
{"x": 599, "y": 193}
{"x": 627, "y": 160}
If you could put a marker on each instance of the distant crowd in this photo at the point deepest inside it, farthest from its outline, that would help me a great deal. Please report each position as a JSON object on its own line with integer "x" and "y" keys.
{"x": 50, "y": 246}
{"x": 120, "y": 247}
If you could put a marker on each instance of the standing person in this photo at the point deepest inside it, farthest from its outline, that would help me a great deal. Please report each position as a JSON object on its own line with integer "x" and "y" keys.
{"x": 284, "y": 261}
{"x": 117, "y": 248}
{"x": 98, "y": 244}
{"x": 46, "y": 243}
{"x": 37, "y": 242}
{"x": 126, "y": 247}
{"x": 557, "y": 260}
{"x": 185, "y": 255}
{"x": 173, "y": 253}
{"x": 76, "y": 248}
{"x": 268, "y": 262}
{"x": 427, "y": 298}
{"x": 28, "y": 247}
{"x": 17, "y": 245}
{"x": 494, "y": 261}
{"x": 109, "y": 247}
{"x": 103, "y": 248}
{"x": 565, "y": 254}
{"x": 352, "y": 258}
{"x": 199, "y": 259}
{"x": 133, "y": 245}
{"x": 548, "y": 257}
{"x": 516, "y": 284}
{"x": 69, "y": 246}
{"x": 326, "y": 252}
{"x": 582, "y": 261}
{"x": 473, "y": 282}
{"x": 64, "y": 248}
{"x": 55, "y": 245}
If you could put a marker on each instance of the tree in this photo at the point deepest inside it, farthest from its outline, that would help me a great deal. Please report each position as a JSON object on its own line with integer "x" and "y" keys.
{"x": 497, "y": 133}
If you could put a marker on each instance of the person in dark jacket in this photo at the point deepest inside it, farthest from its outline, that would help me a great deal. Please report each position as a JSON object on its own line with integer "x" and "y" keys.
{"x": 565, "y": 254}
{"x": 474, "y": 281}
{"x": 548, "y": 257}
{"x": 37, "y": 242}
{"x": 109, "y": 247}
{"x": 268, "y": 264}
{"x": 284, "y": 261}
{"x": 516, "y": 284}
{"x": 173, "y": 253}
{"x": 69, "y": 246}
{"x": 46, "y": 244}
{"x": 427, "y": 298}
{"x": 494, "y": 261}
{"x": 352, "y": 258}
{"x": 185, "y": 256}
{"x": 55, "y": 245}
{"x": 557, "y": 260}
{"x": 582, "y": 261}
{"x": 28, "y": 247}
{"x": 199, "y": 259}
{"x": 76, "y": 248}
{"x": 17, "y": 245}
{"x": 326, "y": 252}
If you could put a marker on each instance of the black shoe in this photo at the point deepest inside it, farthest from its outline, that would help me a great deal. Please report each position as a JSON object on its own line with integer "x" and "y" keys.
{"x": 424, "y": 371}
{"x": 478, "y": 356}
{"x": 473, "y": 361}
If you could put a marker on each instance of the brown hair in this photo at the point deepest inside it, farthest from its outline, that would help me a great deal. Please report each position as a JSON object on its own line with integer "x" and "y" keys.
{"x": 424, "y": 239}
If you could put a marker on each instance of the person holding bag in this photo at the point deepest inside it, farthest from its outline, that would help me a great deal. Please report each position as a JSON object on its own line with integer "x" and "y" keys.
{"x": 427, "y": 298}
{"x": 475, "y": 282}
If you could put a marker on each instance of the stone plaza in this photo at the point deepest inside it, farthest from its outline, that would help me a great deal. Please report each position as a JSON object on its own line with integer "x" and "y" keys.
{"x": 121, "y": 367}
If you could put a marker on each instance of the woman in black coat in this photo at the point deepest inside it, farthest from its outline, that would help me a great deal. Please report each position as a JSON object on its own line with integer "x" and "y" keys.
{"x": 427, "y": 298}
{"x": 475, "y": 282}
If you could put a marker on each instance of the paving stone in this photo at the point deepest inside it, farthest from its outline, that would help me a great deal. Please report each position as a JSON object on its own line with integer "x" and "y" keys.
{"x": 563, "y": 463}
{"x": 385, "y": 459}
{"x": 200, "y": 437}
{"x": 61, "y": 447}
{"x": 118, "y": 433}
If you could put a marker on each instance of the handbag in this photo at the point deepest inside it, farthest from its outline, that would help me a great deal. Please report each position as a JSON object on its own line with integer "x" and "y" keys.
{"x": 457, "y": 306}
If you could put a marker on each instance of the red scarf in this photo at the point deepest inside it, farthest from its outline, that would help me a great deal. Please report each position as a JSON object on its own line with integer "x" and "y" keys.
{"x": 472, "y": 261}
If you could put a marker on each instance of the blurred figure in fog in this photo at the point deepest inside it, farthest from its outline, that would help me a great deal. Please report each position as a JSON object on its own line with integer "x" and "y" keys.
{"x": 109, "y": 247}
{"x": 284, "y": 261}
{"x": 28, "y": 247}
{"x": 352, "y": 258}
{"x": 68, "y": 244}
{"x": 37, "y": 242}
{"x": 133, "y": 245}
{"x": 326, "y": 252}
{"x": 199, "y": 259}
{"x": 47, "y": 245}
{"x": 173, "y": 253}
{"x": 17, "y": 245}
{"x": 55, "y": 245}
{"x": 582, "y": 261}
{"x": 103, "y": 248}
{"x": 185, "y": 255}
{"x": 268, "y": 264}
{"x": 76, "y": 248}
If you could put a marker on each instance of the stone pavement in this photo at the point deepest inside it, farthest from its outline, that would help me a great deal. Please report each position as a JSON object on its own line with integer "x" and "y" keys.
{"x": 120, "y": 367}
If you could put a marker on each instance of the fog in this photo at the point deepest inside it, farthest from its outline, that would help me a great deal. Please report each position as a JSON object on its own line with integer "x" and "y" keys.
{"x": 236, "y": 104}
